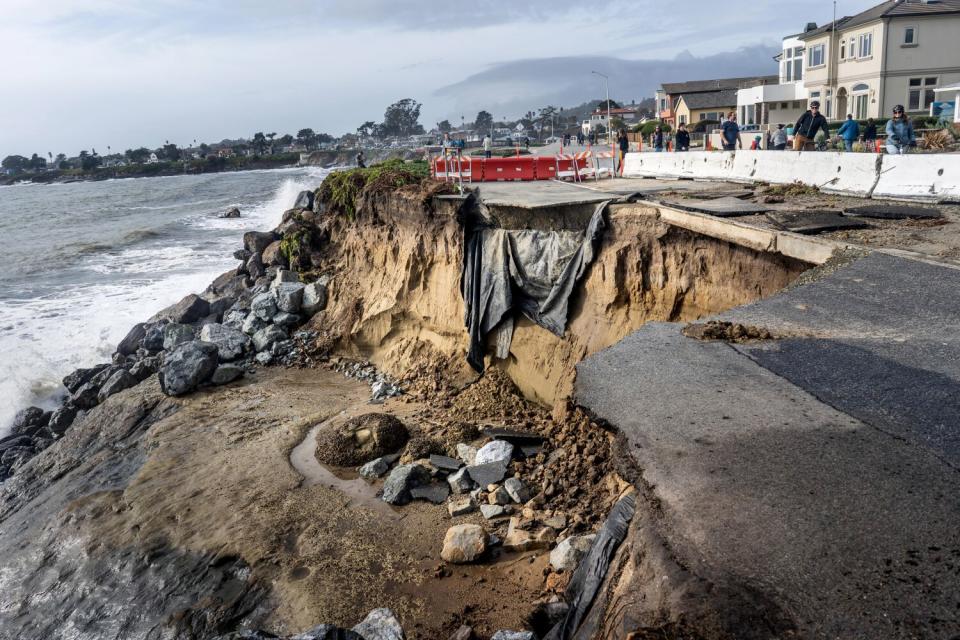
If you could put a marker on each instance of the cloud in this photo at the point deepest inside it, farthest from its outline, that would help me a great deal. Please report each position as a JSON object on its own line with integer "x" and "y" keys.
{"x": 514, "y": 87}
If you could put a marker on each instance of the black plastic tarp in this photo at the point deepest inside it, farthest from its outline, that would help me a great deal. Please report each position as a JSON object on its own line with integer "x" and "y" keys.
{"x": 529, "y": 271}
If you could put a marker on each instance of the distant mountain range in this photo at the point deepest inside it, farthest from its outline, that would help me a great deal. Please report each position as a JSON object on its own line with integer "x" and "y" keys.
{"x": 513, "y": 88}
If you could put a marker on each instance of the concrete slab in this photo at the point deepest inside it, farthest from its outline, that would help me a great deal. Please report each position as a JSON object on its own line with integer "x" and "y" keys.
{"x": 813, "y": 222}
{"x": 894, "y": 212}
{"x": 725, "y": 207}
{"x": 537, "y": 194}
{"x": 820, "y": 471}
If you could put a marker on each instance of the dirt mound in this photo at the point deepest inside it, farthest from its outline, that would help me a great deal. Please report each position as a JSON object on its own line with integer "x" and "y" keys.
{"x": 726, "y": 331}
{"x": 361, "y": 439}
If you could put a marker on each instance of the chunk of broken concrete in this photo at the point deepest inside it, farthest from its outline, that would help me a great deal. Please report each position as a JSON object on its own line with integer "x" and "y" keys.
{"x": 567, "y": 555}
{"x": 490, "y": 473}
{"x": 517, "y": 490}
{"x": 518, "y": 539}
{"x": 435, "y": 493}
{"x": 380, "y": 624}
{"x": 494, "y": 451}
{"x": 460, "y": 481}
{"x": 396, "y": 488}
{"x": 461, "y": 507}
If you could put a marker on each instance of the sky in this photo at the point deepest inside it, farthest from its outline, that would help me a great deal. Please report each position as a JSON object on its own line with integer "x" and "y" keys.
{"x": 93, "y": 74}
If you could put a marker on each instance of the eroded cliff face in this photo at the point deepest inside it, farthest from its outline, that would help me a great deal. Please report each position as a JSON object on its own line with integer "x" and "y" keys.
{"x": 396, "y": 289}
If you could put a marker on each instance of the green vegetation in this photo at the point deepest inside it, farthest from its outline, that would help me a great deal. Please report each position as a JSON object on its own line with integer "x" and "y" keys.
{"x": 649, "y": 127}
{"x": 341, "y": 189}
{"x": 502, "y": 152}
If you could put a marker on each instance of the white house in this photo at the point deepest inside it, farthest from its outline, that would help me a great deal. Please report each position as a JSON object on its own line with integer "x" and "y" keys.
{"x": 780, "y": 103}
{"x": 153, "y": 159}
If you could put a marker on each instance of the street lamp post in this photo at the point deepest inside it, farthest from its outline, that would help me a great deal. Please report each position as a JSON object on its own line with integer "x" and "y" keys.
{"x": 606, "y": 84}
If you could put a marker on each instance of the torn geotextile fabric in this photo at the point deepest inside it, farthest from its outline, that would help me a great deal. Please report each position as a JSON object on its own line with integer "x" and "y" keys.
{"x": 530, "y": 271}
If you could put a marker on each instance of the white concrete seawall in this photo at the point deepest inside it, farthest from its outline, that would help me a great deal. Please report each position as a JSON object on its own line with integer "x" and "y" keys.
{"x": 931, "y": 177}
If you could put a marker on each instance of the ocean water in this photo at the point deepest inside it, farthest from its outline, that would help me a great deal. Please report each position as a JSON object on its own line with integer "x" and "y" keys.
{"x": 85, "y": 261}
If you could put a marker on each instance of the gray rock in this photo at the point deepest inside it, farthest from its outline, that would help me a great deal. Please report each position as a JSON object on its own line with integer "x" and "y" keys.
{"x": 232, "y": 212}
{"x": 26, "y": 419}
{"x": 143, "y": 369}
{"x": 187, "y": 367}
{"x": 86, "y": 397}
{"x": 234, "y": 319}
{"x": 153, "y": 337}
{"x": 266, "y": 337}
{"x": 189, "y": 309}
{"x": 252, "y": 324}
{"x": 284, "y": 275}
{"x": 226, "y": 373}
{"x": 131, "y": 342}
{"x": 380, "y": 624}
{"x": 491, "y": 511}
{"x": 231, "y": 344}
{"x": 289, "y": 296}
{"x": 396, "y": 488}
{"x": 495, "y": 451}
{"x": 513, "y": 635}
{"x": 467, "y": 453}
{"x": 315, "y": 296}
{"x": 242, "y": 255}
{"x": 116, "y": 383}
{"x": 62, "y": 418}
{"x": 254, "y": 267}
{"x": 567, "y": 555}
{"x": 460, "y": 481}
{"x": 489, "y": 473}
{"x": 284, "y": 319}
{"x": 81, "y": 377}
{"x": 499, "y": 495}
{"x": 517, "y": 490}
{"x": 327, "y": 632}
{"x": 175, "y": 334}
{"x": 435, "y": 493}
{"x": 263, "y": 358}
{"x": 257, "y": 241}
{"x": 445, "y": 463}
{"x": 273, "y": 256}
{"x": 461, "y": 507}
{"x": 377, "y": 468}
{"x": 304, "y": 200}
{"x": 264, "y": 306}
{"x": 381, "y": 390}
{"x": 219, "y": 306}
{"x": 282, "y": 348}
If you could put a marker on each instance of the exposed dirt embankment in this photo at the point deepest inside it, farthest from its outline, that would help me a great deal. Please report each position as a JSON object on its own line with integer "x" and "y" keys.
{"x": 397, "y": 269}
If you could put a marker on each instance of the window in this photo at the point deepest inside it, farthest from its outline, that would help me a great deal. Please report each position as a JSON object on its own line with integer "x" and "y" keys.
{"x": 798, "y": 52}
{"x": 796, "y": 104}
{"x": 784, "y": 105}
{"x": 816, "y": 55}
{"x": 860, "y": 106}
{"x": 843, "y": 49}
{"x": 798, "y": 69}
{"x": 828, "y": 104}
{"x": 703, "y": 116}
{"x": 910, "y": 37}
{"x": 920, "y": 93}
{"x": 866, "y": 45}
{"x": 683, "y": 119}
{"x": 789, "y": 75}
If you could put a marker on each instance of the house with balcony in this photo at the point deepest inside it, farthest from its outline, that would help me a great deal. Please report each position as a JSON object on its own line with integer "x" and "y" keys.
{"x": 669, "y": 94}
{"x": 898, "y": 52}
{"x": 781, "y": 103}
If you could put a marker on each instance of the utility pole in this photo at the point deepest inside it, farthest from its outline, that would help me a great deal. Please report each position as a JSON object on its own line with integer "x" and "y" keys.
{"x": 606, "y": 84}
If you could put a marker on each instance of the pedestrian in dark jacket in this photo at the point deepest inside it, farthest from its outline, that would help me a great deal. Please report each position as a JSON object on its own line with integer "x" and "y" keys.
{"x": 623, "y": 142}
{"x": 658, "y": 139}
{"x": 870, "y": 135}
{"x": 683, "y": 138}
{"x": 807, "y": 127}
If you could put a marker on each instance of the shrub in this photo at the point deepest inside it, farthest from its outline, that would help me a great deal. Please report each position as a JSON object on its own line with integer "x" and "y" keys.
{"x": 649, "y": 127}
{"x": 341, "y": 189}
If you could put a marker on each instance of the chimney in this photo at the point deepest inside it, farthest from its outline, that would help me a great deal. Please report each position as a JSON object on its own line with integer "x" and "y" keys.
{"x": 810, "y": 26}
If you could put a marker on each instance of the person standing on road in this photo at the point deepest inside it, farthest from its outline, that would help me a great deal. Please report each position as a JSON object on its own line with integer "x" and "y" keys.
{"x": 658, "y": 139}
{"x": 683, "y": 138}
{"x": 807, "y": 127}
{"x": 487, "y": 146}
{"x": 870, "y": 135}
{"x": 779, "y": 138}
{"x": 624, "y": 143}
{"x": 730, "y": 133}
{"x": 849, "y": 131}
{"x": 900, "y": 136}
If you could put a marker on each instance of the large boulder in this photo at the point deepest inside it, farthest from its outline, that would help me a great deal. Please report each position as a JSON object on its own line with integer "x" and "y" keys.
{"x": 255, "y": 267}
{"x": 226, "y": 373}
{"x": 231, "y": 344}
{"x": 131, "y": 342}
{"x": 116, "y": 383}
{"x": 175, "y": 334}
{"x": 187, "y": 367}
{"x": 397, "y": 486}
{"x": 28, "y": 419}
{"x": 189, "y": 309}
{"x": 264, "y": 306}
{"x": 153, "y": 337}
{"x": 80, "y": 377}
{"x": 273, "y": 256}
{"x": 361, "y": 439}
{"x": 252, "y": 324}
{"x": 289, "y": 296}
{"x": 464, "y": 543}
{"x": 265, "y": 338}
{"x": 304, "y": 200}
{"x": 232, "y": 212}
{"x": 62, "y": 418}
{"x": 257, "y": 241}
{"x": 315, "y": 296}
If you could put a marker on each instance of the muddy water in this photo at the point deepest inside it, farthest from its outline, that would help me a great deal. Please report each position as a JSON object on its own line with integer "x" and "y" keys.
{"x": 359, "y": 491}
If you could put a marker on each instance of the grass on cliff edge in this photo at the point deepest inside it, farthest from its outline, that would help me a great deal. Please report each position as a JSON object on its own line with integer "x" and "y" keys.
{"x": 341, "y": 189}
